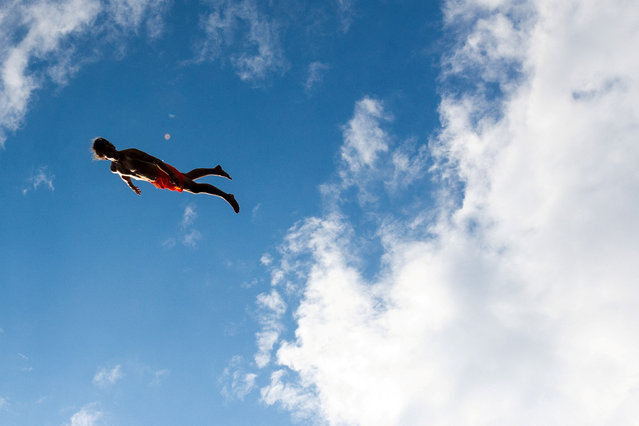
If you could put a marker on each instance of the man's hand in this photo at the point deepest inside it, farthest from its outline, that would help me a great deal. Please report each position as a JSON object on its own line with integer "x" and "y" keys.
{"x": 135, "y": 189}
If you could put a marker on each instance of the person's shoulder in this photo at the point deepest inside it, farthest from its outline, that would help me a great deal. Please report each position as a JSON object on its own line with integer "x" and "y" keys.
{"x": 138, "y": 154}
{"x": 132, "y": 151}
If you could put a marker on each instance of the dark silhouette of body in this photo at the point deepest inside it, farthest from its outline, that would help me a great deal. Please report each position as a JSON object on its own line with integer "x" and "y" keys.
{"x": 136, "y": 164}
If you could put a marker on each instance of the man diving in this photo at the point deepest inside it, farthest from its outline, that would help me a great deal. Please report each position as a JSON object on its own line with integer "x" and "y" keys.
{"x": 136, "y": 164}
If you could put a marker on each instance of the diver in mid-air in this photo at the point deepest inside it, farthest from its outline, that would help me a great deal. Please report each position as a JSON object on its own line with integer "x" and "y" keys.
{"x": 136, "y": 164}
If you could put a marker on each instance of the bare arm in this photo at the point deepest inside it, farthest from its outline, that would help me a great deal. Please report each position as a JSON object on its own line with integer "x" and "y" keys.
{"x": 135, "y": 189}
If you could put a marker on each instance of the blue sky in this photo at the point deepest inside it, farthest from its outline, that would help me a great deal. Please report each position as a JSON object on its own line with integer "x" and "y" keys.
{"x": 437, "y": 217}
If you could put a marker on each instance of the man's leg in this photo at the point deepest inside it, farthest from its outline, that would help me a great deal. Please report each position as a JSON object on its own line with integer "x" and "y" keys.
{"x": 205, "y": 188}
{"x": 198, "y": 173}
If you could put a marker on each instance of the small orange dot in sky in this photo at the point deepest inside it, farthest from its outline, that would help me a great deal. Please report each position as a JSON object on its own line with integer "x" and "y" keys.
{"x": 167, "y": 137}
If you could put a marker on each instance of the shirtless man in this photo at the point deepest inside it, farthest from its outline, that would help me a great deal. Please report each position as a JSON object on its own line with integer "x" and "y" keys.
{"x": 136, "y": 164}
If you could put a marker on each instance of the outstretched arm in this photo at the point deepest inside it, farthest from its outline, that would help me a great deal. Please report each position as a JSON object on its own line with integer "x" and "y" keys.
{"x": 135, "y": 189}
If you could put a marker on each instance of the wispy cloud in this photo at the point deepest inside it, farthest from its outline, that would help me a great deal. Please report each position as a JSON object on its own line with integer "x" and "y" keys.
{"x": 89, "y": 415}
{"x": 3, "y": 403}
{"x": 367, "y": 161}
{"x": 191, "y": 238}
{"x": 41, "y": 177}
{"x": 47, "y": 24}
{"x": 364, "y": 139}
{"x": 315, "y": 75}
{"x": 513, "y": 300}
{"x": 106, "y": 377}
{"x": 266, "y": 259}
{"x": 47, "y": 32}
{"x": 271, "y": 307}
{"x": 130, "y": 15}
{"x": 300, "y": 400}
{"x": 255, "y": 210}
{"x": 159, "y": 376}
{"x": 235, "y": 381}
{"x": 190, "y": 235}
{"x": 169, "y": 243}
{"x": 187, "y": 234}
{"x": 189, "y": 215}
{"x": 247, "y": 35}
{"x": 346, "y": 11}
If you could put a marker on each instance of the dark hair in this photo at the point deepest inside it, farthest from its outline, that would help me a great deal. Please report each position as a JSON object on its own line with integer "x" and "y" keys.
{"x": 99, "y": 147}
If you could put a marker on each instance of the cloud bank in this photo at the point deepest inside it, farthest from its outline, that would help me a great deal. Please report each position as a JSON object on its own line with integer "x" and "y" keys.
{"x": 513, "y": 299}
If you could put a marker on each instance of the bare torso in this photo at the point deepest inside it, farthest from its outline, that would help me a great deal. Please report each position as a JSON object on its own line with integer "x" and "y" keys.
{"x": 137, "y": 165}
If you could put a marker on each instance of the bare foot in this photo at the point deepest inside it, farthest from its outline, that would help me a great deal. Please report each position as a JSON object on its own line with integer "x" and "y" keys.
{"x": 220, "y": 172}
{"x": 231, "y": 200}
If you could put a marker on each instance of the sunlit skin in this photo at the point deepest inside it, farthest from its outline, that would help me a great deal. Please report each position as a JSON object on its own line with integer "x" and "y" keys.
{"x": 136, "y": 164}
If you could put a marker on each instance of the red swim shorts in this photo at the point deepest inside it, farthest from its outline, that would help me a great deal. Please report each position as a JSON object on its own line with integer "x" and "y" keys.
{"x": 164, "y": 181}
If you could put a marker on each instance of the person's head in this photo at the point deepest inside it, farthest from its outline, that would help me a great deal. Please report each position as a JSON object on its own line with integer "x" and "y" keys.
{"x": 103, "y": 149}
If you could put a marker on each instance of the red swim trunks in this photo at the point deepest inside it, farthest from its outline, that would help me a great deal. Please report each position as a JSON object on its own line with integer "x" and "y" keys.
{"x": 164, "y": 181}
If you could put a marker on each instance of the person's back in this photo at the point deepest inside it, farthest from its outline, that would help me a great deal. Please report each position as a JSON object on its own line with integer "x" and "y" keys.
{"x": 134, "y": 163}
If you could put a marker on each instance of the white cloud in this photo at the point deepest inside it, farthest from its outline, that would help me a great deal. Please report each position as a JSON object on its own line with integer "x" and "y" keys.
{"x": 41, "y": 177}
{"x": 159, "y": 375}
{"x": 271, "y": 308}
{"x": 408, "y": 163}
{"x": 364, "y": 139}
{"x": 265, "y": 342}
{"x": 272, "y": 302}
{"x": 514, "y": 301}
{"x": 106, "y": 377}
{"x": 255, "y": 210}
{"x": 235, "y": 381}
{"x": 345, "y": 9}
{"x": 169, "y": 243}
{"x": 187, "y": 234}
{"x": 191, "y": 238}
{"x": 189, "y": 215}
{"x": 130, "y": 14}
{"x": 3, "y": 403}
{"x": 366, "y": 161}
{"x": 47, "y": 24}
{"x": 298, "y": 399}
{"x": 266, "y": 259}
{"x": 47, "y": 32}
{"x": 89, "y": 415}
{"x": 315, "y": 75}
{"x": 250, "y": 36}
